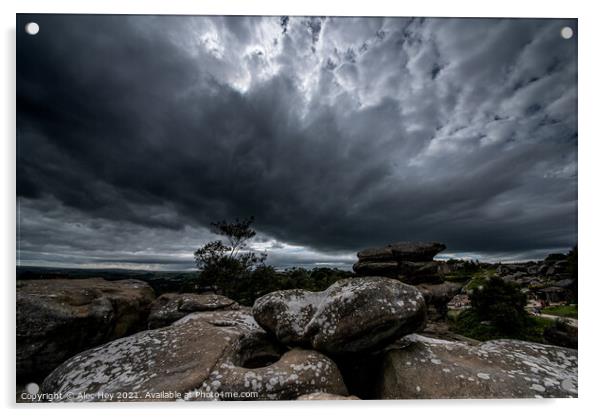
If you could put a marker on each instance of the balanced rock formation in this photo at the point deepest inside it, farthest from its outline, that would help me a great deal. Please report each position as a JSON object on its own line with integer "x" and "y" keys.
{"x": 217, "y": 355}
{"x": 410, "y": 262}
{"x": 434, "y": 369}
{"x": 60, "y": 317}
{"x": 352, "y": 315}
{"x": 171, "y": 307}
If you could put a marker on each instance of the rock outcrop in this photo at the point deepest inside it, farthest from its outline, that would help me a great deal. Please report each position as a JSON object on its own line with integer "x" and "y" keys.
{"x": 60, "y": 317}
{"x": 550, "y": 280}
{"x": 437, "y": 297}
{"x": 218, "y": 355}
{"x": 434, "y": 369}
{"x": 403, "y": 251}
{"x": 352, "y": 315}
{"x": 410, "y": 262}
{"x": 171, "y": 307}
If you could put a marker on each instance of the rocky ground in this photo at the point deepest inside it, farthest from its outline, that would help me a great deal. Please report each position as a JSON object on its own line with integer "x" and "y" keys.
{"x": 375, "y": 336}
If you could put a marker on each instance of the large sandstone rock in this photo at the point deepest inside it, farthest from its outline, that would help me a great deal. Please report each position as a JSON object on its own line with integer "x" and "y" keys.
{"x": 297, "y": 373}
{"x": 437, "y": 296}
{"x": 410, "y": 262}
{"x": 403, "y": 251}
{"x": 433, "y": 368}
{"x": 352, "y": 315}
{"x": 60, "y": 317}
{"x": 171, "y": 307}
{"x": 217, "y": 355}
{"x": 406, "y": 271}
{"x": 376, "y": 268}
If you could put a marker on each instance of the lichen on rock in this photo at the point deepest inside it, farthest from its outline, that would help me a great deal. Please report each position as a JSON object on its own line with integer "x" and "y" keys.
{"x": 352, "y": 315}
{"x": 206, "y": 355}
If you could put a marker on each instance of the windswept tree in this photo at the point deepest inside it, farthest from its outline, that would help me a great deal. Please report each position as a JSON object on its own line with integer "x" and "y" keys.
{"x": 229, "y": 265}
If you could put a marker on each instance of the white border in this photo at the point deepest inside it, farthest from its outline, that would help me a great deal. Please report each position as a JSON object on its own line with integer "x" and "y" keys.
{"x": 589, "y": 195}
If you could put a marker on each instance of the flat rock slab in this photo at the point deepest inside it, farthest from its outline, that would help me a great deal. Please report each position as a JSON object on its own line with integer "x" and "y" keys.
{"x": 204, "y": 356}
{"x": 430, "y": 368}
{"x": 171, "y": 307}
{"x": 368, "y": 268}
{"x": 403, "y": 251}
{"x": 57, "y": 318}
{"x": 352, "y": 315}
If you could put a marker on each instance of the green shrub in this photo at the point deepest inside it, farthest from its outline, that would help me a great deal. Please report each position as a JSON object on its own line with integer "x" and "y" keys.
{"x": 469, "y": 324}
{"x": 501, "y": 303}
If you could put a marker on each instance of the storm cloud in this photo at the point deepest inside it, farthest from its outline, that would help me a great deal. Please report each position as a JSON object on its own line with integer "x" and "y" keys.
{"x": 135, "y": 132}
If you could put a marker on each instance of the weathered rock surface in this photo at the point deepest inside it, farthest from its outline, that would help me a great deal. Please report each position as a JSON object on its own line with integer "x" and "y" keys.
{"x": 433, "y": 368}
{"x": 376, "y": 268}
{"x": 204, "y": 356}
{"x": 352, "y": 315}
{"x": 410, "y": 262}
{"x": 171, "y": 307}
{"x": 298, "y": 372}
{"x": 324, "y": 396}
{"x": 403, "y": 251}
{"x": 60, "y": 317}
{"x": 550, "y": 280}
{"x": 437, "y": 296}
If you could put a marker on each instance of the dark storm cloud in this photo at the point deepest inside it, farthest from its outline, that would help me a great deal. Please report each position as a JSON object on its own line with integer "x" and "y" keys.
{"x": 336, "y": 134}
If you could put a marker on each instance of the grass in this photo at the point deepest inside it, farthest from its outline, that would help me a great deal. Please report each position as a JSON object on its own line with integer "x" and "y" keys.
{"x": 459, "y": 277}
{"x": 480, "y": 277}
{"x": 468, "y": 324}
{"x": 569, "y": 310}
{"x": 473, "y": 278}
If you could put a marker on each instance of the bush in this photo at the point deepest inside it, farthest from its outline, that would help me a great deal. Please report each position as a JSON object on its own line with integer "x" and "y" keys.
{"x": 469, "y": 324}
{"x": 498, "y": 311}
{"x": 502, "y": 304}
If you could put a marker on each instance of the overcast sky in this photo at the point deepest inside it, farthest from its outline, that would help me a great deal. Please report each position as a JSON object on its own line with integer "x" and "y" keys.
{"x": 135, "y": 132}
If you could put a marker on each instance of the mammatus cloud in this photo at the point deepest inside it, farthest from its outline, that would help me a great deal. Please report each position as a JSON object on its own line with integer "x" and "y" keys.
{"x": 135, "y": 132}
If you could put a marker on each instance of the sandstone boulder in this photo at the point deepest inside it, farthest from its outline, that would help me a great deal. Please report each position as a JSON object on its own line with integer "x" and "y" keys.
{"x": 352, "y": 315}
{"x": 297, "y": 373}
{"x": 403, "y": 251}
{"x": 419, "y": 272}
{"x": 376, "y": 268}
{"x": 171, "y": 307}
{"x": 434, "y": 369}
{"x": 410, "y": 262}
{"x": 437, "y": 296}
{"x": 217, "y": 355}
{"x": 58, "y": 318}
